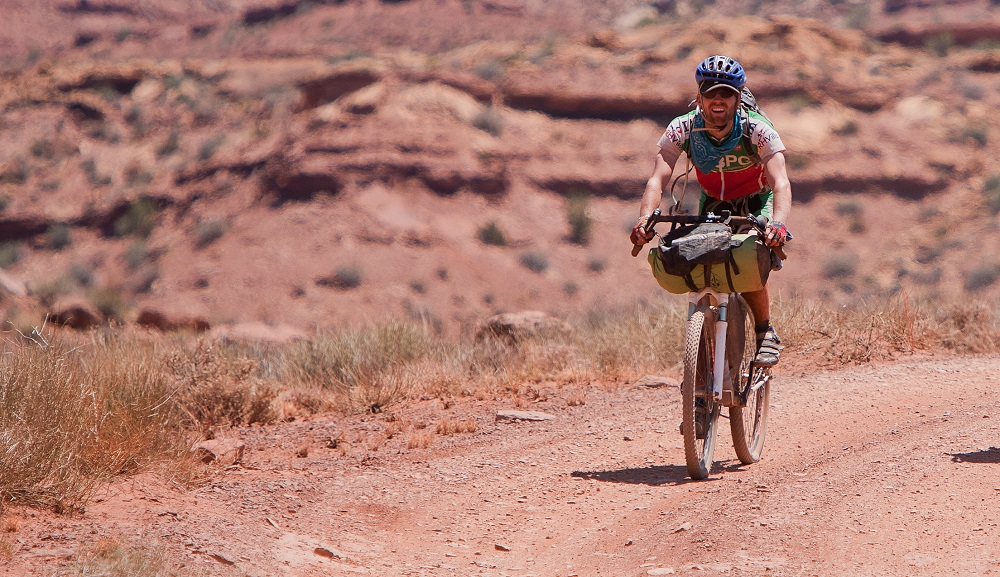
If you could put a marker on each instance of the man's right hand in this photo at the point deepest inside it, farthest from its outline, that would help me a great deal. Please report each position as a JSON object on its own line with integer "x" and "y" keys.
{"x": 639, "y": 235}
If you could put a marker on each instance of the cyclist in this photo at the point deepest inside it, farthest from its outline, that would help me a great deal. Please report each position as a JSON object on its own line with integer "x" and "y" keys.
{"x": 739, "y": 162}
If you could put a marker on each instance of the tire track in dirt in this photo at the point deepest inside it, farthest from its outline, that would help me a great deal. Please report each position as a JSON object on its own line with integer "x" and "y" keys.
{"x": 883, "y": 471}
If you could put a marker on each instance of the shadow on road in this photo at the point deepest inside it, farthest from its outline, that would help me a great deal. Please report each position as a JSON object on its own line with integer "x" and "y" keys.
{"x": 991, "y": 455}
{"x": 655, "y": 475}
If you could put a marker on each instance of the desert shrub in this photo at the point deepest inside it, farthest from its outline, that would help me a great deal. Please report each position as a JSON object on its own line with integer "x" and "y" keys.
{"x": 94, "y": 177}
{"x": 209, "y": 147}
{"x": 59, "y": 236}
{"x": 982, "y": 276}
{"x": 170, "y": 145}
{"x": 48, "y": 292}
{"x": 489, "y": 70}
{"x": 219, "y": 386}
{"x": 991, "y": 192}
{"x": 489, "y": 120}
{"x": 978, "y": 135}
{"x": 798, "y": 161}
{"x": 850, "y": 208}
{"x": 364, "y": 369}
{"x": 492, "y": 234}
{"x": 10, "y": 252}
{"x": 110, "y": 302}
{"x": 208, "y": 231}
{"x": 139, "y": 219}
{"x": 81, "y": 274}
{"x": 535, "y": 261}
{"x": 848, "y": 128}
{"x": 43, "y": 149}
{"x": 136, "y": 254}
{"x": 16, "y": 172}
{"x": 941, "y": 44}
{"x": 577, "y": 216}
{"x": 596, "y": 264}
{"x": 136, "y": 175}
{"x": 345, "y": 277}
{"x": 839, "y": 266}
{"x": 858, "y": 16}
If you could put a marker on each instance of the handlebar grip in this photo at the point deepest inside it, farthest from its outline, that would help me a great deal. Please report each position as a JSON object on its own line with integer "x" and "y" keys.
{"x": 635, "y": 249}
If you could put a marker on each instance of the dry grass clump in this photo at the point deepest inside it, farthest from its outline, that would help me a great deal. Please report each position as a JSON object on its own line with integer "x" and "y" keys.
{"x": 363, "y": 370}
{"x": 219, "y": 386}
{"x": 109, "y": 558}
{"x": 881, "y": 329}
{"x": 75, "y": 413}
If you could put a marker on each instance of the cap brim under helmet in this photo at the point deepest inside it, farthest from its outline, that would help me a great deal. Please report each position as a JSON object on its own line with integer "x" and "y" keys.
{"x": 716, "y": 84}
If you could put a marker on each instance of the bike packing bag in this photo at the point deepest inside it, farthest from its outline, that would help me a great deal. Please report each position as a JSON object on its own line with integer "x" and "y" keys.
{"x": 745, "y": 270}
{"x": 685, "y": 248}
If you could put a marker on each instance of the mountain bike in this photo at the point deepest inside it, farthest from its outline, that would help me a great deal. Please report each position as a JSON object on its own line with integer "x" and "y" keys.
{"x": 719, "y": 370}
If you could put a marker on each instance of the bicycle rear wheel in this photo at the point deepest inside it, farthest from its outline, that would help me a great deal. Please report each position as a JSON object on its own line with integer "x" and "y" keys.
{"x": 700, "y": 410}
{"x": 748, "y": 421}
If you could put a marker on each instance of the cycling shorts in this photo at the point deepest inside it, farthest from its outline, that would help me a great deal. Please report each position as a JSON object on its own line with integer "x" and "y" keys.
{"x": 760, "y": 204}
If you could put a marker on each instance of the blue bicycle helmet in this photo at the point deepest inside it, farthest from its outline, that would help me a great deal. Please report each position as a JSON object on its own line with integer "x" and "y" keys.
{"x": 720, "y": 69}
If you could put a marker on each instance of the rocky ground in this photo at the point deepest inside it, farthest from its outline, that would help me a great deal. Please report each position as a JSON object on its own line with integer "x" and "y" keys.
{"x": 878, "y": 470}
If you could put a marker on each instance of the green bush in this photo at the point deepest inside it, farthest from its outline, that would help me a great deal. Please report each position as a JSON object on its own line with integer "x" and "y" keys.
{"x": 10, "y": 253}
{"x": 58, "y": 236}
{"x": 208, "y": 231}
{"x": 991, "y": 192}
{"x": 491, "y": 234}
{"x": 489, "y": 120}
{"x": 982, "y": 276}
{"x": 170, "y": 145}
{"x": 139, "y": 219}
{"x": 535, "y": 261}
{"x": 578, "y": 218}
{"x": 839, "y": 266}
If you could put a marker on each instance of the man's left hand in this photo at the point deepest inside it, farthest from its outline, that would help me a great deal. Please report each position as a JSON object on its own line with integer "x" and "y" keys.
{"x": 776, "y": 234}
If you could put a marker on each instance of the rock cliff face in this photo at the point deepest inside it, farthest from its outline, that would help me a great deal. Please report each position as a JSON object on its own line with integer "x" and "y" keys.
{"x": 484, "y": 157}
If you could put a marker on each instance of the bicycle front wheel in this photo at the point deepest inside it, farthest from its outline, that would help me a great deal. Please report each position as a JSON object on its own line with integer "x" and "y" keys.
{"x": 700, "y": 410}
{"x": 748, "y": 421}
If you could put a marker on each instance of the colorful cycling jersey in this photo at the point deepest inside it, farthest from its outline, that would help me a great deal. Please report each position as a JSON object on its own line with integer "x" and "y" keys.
{"x": 739, "y": 173}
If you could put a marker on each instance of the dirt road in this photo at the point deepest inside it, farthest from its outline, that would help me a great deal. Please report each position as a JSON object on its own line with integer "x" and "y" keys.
{"x": 879, "y": 471}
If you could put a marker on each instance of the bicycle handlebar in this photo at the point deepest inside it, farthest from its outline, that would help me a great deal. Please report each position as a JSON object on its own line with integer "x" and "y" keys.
{"x": 758, "y": 222}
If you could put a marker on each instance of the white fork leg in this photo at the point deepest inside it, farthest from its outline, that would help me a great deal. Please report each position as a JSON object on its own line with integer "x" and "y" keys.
{"x": 719, "y": 365}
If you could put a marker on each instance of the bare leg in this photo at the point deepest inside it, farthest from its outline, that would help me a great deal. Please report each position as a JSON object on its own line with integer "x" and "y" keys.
{"x": 760, "y": 305}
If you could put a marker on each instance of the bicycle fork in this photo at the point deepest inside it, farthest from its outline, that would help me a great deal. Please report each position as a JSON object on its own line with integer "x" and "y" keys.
{"x": 719, "y": 373}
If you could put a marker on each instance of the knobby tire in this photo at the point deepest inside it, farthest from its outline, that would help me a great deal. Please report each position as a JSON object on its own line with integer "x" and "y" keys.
{"x": 748, "y": 422}
{"x": 699, "y": 344}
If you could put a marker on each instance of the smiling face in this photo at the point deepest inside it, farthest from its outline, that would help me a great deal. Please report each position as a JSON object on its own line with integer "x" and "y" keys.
{"x": 718, "y": 106}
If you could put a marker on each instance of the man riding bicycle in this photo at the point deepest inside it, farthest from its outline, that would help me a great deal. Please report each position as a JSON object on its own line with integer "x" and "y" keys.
{"x": 739, "y": 162}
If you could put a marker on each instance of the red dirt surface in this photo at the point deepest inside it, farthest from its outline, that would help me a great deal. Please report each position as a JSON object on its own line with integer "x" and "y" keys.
{"x": 879, "y": 470}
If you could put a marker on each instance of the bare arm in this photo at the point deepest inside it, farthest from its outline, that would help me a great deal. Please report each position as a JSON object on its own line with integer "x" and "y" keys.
{"x": 662, "y": 171}
{"x": 778, "y": 177}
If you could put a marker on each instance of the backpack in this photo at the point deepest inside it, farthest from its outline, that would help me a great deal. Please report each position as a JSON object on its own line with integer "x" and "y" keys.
{"x": 748, "y": 102}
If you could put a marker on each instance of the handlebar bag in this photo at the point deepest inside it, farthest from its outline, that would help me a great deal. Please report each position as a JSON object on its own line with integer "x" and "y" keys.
{"x": 745, "y": 267}
{"x": 685, "y": 248}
